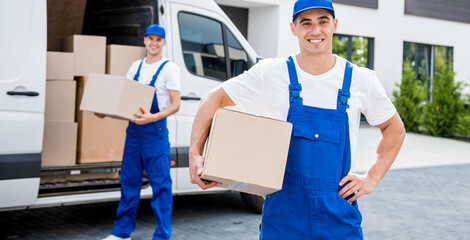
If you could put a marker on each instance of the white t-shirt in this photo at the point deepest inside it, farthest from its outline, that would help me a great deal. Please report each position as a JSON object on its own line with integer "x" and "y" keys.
{"x": 168, "y": 79}
{"x": 265, "y": 87}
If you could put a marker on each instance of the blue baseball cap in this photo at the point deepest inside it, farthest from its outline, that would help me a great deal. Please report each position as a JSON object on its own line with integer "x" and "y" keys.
{"x": 155, "y": 29}
{"x": 303, "y": 5}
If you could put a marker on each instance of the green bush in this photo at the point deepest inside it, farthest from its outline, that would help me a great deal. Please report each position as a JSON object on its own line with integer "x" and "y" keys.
{"x": 409, "y": 97}
{"x": 464, "y": 129}
{"x": 442, "y": 116}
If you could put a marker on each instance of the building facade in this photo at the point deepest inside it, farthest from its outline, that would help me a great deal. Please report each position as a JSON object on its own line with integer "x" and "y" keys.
{"x": 378, "y": 34}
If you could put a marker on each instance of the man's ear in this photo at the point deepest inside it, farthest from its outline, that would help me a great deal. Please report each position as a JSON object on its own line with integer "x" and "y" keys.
{"x": 292, "y": 29}
{"x": 335, "y": 22}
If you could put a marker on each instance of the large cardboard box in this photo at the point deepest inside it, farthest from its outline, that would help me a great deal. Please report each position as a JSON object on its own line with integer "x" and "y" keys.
{"x": 120, "y": 57}
{"x": 60, "y": 66}
{"x": 99, "y": 140}
{"x": 116, "y": 96}
{"x": 247, "y": 153}
{"x": 60, "y": 144}
{"x": 90, "y": 53}
{"x": 60, "y": 101}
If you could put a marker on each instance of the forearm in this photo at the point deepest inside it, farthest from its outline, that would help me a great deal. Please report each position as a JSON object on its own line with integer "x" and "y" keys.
{"x": 203, "y": 119}
{"x": 393, "y": 136}
{"x": 175, "y": 102}
{"x": 168, "y": 111}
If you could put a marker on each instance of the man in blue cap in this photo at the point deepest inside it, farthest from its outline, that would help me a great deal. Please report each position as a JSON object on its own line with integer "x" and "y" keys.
{"x": 323, "y": 96}
{"x": 147, "y": 145}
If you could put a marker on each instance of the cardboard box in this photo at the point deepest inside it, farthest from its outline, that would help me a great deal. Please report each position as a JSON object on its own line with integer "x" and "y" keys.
{"x": 247, "y": 153}
{"x": 60, "y": 66}
{"x": 116, "y": 96}
{"x": 120, "y": 57}
{"x": 60, "y": 101}
{"x": 99, "y": 140}
{"x": 90, "y": 53}
{"x": 60, "y": 144}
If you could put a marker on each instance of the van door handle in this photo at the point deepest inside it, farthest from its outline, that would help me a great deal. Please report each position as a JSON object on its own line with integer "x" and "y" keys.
{"x": 190, "y": 98}
{"x": 27, "y": 93}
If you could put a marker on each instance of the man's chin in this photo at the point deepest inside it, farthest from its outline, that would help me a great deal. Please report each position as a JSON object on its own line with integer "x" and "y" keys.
{"x": 153, "y": 53}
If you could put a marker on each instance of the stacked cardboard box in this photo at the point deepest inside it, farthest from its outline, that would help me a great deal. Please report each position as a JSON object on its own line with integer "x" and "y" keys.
{"x": 102, "y": 140}
{"x": 120, "y": 57}
{"x": 60, "y": 130}
{"x": 99, "y": 139}
{"x": 89, "y": 51}
{"x": 71, "y": 135}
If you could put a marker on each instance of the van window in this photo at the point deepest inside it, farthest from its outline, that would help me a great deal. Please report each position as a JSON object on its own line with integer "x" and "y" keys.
{"x": 203, "y": 45}
{"x": 237, "y": 55}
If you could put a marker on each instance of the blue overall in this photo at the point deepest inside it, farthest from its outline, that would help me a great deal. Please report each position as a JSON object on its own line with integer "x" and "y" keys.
{"x": 147, "y": 147}
{"x": 309, "y": 206}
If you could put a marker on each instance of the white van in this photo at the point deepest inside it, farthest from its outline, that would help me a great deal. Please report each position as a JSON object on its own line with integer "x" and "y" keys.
{"x": 201, "y": 39}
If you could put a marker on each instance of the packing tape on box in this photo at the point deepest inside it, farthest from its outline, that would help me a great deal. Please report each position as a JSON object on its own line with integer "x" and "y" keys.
{"x": 237, "y": 186}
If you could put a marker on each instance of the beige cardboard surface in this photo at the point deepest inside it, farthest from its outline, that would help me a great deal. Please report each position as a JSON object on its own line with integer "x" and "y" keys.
{"x": 60, "y": 101}
{"x": 116, "y": 96}
{"x": 60, "y": 66}
{"x": 247, "y": 153}
{"x": 60, "y": 144}
{"x": 120, "y": 57}
{"x": 99, "y": 140}
{"x": 90, "y": 53}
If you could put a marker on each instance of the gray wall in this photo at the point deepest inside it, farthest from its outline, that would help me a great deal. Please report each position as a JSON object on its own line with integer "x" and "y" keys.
{"x": 454, "y": 10}
{"x": 360, "y": 3}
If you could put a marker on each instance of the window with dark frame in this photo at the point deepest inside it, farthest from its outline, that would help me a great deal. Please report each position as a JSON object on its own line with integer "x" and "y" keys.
{"x": 209, "y": 48}
{"x": 423, "y": 57}
{"x": 356, "y": 49}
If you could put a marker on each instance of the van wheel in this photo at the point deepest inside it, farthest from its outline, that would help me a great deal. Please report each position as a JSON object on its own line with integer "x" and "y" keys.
{"x": 253, "y": 202}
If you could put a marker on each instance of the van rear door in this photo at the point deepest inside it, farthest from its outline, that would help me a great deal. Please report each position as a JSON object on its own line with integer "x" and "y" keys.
{"x": 22, "y": 98}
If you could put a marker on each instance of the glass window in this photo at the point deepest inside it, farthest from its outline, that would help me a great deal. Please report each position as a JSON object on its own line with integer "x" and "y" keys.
{"x": 237, "y": 55}
{"x": 203, "y": 45}
{"x": 423, "y": 58}
{"x": 360, "y": 51}
{"x": 356, "y": 49}
{"x": 340, "y": 46}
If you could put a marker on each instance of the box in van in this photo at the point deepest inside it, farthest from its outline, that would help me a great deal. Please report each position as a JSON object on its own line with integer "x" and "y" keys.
{"x": 120, "y": 57}
{"x": 60, "y": 66}
{"x": 60, "y": 101}
{"x": 59, "y": 144}
{"x": 90, "y": 53}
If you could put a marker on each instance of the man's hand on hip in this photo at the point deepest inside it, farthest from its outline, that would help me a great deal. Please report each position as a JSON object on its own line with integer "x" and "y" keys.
{"x": 358, "y": 184}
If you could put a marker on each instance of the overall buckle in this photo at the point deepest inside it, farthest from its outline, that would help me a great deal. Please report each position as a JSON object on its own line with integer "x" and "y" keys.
{"x": 294, "y": 90}
{"x": 343, "y": 97}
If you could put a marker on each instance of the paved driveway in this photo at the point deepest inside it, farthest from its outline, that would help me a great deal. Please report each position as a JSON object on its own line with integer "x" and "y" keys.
{"x": 426, "y": 195}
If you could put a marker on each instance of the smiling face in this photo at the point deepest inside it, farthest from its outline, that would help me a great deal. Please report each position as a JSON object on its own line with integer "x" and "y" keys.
{"x": 314, "y": 28}
{"x": 154, "y": 44}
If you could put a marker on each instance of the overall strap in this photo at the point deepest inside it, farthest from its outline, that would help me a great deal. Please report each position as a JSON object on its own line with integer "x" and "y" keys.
{"x": 154, "y": 78}
{"x": 344, "y": 94}
{"x": 137, "y": 74}
{"x": 294, "y": 86}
